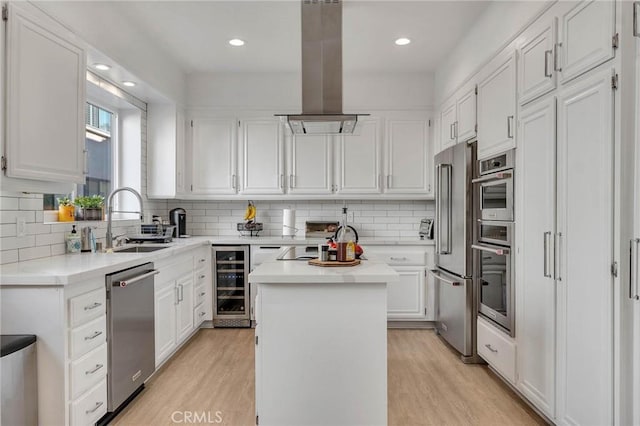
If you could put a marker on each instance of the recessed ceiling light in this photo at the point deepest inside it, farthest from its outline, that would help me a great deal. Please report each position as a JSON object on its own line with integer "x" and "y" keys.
{"x": 129, "y": 83}
{"x": 102, "y": 67}
{"x": 236, "y": 42}
{"x": 403, "y": 41}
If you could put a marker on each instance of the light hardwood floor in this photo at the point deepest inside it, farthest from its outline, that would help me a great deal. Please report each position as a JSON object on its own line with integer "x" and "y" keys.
{"x": 428, "y": 385}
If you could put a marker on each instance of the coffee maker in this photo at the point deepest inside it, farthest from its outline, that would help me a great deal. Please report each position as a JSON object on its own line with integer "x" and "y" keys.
{"x": 178, "y": 217}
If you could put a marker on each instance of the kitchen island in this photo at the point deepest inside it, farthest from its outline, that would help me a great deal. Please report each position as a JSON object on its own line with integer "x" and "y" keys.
{"x": 321, "y": 343}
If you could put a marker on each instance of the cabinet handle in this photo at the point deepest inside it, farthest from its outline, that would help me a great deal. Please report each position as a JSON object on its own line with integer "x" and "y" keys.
{"x": 636, "y": 7}
{"x": 291, "y": 185}
{"x": 398, "y": 259}
{"x": 388, "y": 181}
{"x": 177, "y": 295}
{"x": 85, "y": 168}
{"x": 93, "y": 336}
{"x": 234, "y": 182}
{"x": 181, "y": 289}
{"x": 90, "y": 307}
{"x": 556, "y": 57}
{"x": 547, "y": 53}
{"x": 509, "y": 127}
{"x": 93, "y": 410}
{"x": 455, "y": 130}
{"x": 633, "y": 276}
{"x": 282, "y": 181}
{"x": 380, "y": 182}
{"x": 545, "y": 243}
{"x": 202, "y": 260}
{"x": 202, "y": 314}
{"x": 488, "y": 346}
{"x": 451, "y": 131}
{"x": 90, "y": 372}
{"x": 203, "y": 293}
{"x": 202, "y": 276}
{"x": 556, "y": 256}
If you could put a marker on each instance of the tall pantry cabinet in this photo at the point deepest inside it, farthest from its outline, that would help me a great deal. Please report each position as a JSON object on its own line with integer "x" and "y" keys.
{"x": 565, "y": 299}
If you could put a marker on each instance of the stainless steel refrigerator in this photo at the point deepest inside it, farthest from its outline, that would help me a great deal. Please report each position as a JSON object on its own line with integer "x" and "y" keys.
{"x": 455, "y": 219}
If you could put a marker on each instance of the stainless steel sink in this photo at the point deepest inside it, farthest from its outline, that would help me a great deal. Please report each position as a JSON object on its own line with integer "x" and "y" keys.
{"x": 139, "y": 249}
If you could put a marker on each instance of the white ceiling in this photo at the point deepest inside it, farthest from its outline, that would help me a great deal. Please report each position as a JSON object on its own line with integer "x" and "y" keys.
{"x": 195, "y": 33}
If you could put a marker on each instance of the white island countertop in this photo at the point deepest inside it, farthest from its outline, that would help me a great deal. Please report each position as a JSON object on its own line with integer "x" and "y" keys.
{"x": 295, "y": 272}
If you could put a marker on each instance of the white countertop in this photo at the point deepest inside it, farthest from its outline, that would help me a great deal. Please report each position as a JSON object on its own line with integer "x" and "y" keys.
{"x": 71, "y": 268}
{"x": 298, "y": 272}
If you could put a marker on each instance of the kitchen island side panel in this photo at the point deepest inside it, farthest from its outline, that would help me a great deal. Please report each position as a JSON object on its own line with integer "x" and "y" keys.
{"x": 322, "y": 354}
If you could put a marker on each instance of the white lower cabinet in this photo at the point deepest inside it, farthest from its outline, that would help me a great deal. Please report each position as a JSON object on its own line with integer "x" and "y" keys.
{"x": 412, "y": 297}
{"x": 176, "y": 302}
{"x": 498, "y": 349}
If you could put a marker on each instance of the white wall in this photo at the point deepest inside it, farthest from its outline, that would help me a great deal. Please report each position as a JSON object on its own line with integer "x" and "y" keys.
{"x": 99, "y": 24}
{"x": 497, "y": 26}
{"x": 255, "y": 91}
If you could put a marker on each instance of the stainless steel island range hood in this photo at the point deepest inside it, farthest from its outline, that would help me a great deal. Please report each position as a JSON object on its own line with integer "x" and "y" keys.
{"x": 321, "y": 72}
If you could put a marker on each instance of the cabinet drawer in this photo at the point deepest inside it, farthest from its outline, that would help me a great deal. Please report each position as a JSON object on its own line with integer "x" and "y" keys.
{"x": 201, "y": 276}
{"x": 396, "y": 257}
{"x": 201, "y": 294}
{"x": 87, "y": 306}
{"x": 200, "y": 314}
{"x": 498, "y": 349}
{"x": 90, "y": 336}
{"x": 87, "y": 409}
{"x": 88, "y": 371}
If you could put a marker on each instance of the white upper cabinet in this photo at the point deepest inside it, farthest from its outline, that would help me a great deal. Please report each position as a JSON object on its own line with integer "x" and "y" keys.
{"x": 448, "y": 120}
{"x": 166, "y": 160}
{"x": 587, "y": 33}
{"x": 262, "y": 157}
{"x": 358, "y": 162}
{"x": 497, "y": 106}
{"x": 213, "y": 158}
{"x": 45, "y": 104}
{"x": 537, "y": 74}
{"x": 408, "y": 157}
{"x": 310, "y": 170}
{"x": 465, "y": 127}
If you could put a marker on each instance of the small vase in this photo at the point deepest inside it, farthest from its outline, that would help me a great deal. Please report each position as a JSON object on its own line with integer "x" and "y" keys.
{"x": 66, "y": 213}
{"x": 93, "y": 214}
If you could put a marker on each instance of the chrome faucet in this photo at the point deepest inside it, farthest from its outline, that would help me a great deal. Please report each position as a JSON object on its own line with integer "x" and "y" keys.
{"x": 108, "y": 236}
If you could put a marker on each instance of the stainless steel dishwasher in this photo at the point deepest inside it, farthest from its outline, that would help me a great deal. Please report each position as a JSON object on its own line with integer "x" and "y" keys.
{"x": 130, "y": 333}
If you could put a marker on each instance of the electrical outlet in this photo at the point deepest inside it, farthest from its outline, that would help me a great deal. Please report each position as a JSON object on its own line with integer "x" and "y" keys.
{"x": 21, "y": 226}
{"x": 350, "y": 217}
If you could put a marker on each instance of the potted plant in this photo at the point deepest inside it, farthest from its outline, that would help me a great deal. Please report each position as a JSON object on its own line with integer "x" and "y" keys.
{"x": 65, "y": 210}
{"x": 90, "y": 207}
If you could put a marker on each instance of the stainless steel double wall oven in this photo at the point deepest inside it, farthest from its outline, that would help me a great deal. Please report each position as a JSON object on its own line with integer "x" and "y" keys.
{"x": 494, "y": 259}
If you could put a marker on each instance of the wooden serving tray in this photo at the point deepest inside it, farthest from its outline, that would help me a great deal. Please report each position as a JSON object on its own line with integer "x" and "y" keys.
{"x": 330, "y": 263}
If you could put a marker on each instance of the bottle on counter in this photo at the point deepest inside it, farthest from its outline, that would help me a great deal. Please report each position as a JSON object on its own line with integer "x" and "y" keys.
{"x": 342, "y": 238}
{"x": 72, "y": 239}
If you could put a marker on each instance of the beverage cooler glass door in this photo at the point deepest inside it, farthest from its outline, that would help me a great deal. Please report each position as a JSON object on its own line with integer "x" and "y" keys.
{"x": 496, "y": 296}
{"x": 231, "y": 295}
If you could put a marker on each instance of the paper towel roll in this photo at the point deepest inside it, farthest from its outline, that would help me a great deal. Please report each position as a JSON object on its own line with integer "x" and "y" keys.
{"x": 288, "y": 223}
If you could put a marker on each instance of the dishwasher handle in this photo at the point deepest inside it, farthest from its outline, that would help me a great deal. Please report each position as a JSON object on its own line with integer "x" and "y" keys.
{"x": 124, "y": 283}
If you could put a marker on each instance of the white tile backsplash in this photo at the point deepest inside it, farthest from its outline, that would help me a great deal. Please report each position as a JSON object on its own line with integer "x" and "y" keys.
{"x": 370, "y": 218}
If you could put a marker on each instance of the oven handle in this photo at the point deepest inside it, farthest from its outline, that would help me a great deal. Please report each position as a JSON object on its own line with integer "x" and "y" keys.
{"x": 495, "y": 250}
{"x": 493, "y": 176}
{"x": 439, "y": 277}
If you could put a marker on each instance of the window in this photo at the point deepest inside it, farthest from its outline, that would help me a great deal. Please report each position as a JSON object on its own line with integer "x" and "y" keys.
{"x": 100, "y": 145}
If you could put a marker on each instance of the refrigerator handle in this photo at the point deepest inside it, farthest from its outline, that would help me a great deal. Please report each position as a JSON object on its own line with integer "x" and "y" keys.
{"x": 449, "y": 207}
{"x": 438, "y": 206}
{"x": 545, "y": 243}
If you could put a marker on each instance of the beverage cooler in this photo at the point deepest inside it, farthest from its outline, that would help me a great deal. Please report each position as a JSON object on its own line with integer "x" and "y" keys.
{"x": 231, "y": 298}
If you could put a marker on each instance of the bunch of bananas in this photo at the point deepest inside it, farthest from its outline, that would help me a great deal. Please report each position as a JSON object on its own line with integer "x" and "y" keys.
{"x": 250, "y": 212}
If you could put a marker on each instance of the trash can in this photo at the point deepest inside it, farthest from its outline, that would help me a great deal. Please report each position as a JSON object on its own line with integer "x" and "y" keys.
{"x": 19, "y": 380}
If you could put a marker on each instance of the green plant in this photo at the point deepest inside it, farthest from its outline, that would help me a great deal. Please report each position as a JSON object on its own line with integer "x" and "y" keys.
{"x": 65, "y": 201}
{"x": 90, "y": 202}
